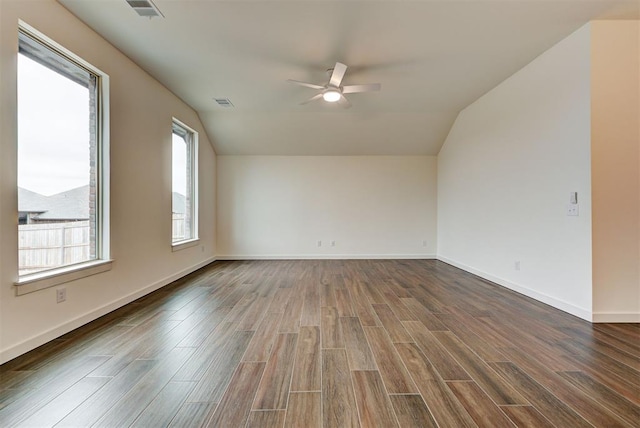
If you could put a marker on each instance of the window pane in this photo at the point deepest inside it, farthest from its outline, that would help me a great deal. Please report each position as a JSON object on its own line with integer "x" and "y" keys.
{"x": 184, "y": 184}
{"x": 179, "y": 189}
{"x": 57, "y": 156}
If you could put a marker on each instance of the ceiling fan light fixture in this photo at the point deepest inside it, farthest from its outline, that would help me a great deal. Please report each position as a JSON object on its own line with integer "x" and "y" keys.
{"x": 332, "y": 95}
{"x": 333, "y": 91}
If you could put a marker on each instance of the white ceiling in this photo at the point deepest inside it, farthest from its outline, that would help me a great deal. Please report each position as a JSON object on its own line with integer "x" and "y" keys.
{"x": 433, "y": 58}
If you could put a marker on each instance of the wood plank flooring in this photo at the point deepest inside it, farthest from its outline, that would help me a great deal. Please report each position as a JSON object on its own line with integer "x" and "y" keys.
{"x": 331, "y": 343}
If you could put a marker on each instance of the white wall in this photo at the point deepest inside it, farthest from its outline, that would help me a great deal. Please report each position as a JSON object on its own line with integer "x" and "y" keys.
{"x": 141, "y": 112}
{"x": 504, "y": 177}
{"x": 615, "y": 149}
{"x": 371, "y": 206}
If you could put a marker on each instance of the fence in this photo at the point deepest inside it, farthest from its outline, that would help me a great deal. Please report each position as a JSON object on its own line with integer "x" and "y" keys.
{"x": 178, "y": 227}
{"x": 50, "y": 245}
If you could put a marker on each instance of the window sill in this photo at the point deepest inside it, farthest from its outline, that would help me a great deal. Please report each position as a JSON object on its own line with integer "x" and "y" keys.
{"x": 181, "y": 245}
{"x": 41, "y": 280}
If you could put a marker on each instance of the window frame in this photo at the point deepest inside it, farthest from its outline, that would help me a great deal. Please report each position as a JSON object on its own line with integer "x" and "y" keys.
{"x": 190, "y": 137}
{"x": 51, "y": 277}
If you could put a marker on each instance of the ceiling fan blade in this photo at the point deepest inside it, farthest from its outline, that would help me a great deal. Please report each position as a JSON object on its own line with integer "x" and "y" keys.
{"x": 311, "y": 99}
{"x": 344, "y": 102}
{"x": 308, "y": 85}
{"x": 352, "y": 89}
{"x": 338, "y": 74}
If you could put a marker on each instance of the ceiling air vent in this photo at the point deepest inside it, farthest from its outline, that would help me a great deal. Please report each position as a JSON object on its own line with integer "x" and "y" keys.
{"x": 145, "y": 8}
{"x": 223, "y": 102}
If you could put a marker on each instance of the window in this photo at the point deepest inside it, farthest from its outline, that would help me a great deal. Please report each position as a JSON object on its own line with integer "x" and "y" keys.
{"x": 184, "y": 192}
{"x": 62, "y": 186}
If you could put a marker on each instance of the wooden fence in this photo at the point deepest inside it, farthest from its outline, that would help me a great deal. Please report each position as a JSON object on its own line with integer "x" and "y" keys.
{"x": 50, "y": 245}
{"x": 178, "y": 227}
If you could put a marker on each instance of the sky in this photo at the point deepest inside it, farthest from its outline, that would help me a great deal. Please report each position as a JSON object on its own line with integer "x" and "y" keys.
{"x": 53, "y": 130}
{"x": 178, "y": 164}
{"x": 53, "y": 133}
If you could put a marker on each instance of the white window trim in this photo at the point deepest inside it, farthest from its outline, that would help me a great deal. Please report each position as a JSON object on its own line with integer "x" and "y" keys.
{"x": 195, "y": 239}
{"x": 181, "y": 245}
{"x": 52, "y": 277}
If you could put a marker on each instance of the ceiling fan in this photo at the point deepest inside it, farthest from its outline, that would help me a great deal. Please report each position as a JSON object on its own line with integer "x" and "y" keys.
{"x": 333, "y": 91}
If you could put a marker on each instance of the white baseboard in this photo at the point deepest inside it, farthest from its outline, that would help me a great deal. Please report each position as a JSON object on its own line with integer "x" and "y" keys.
{"x": 551, "y": 301}
{"x": 616, "y": 317}
{"x": 57, "y": 331}
{"x": 324, "y": 256}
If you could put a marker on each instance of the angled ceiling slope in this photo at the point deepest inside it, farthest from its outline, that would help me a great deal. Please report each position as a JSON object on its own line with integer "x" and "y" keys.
{"x": 433, "y": 58}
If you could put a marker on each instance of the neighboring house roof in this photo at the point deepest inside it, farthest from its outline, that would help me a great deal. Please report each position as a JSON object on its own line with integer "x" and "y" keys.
{"x": 178, "y": 203}
{"x": 31, "y": 202}
{"x": 70, "y": 205}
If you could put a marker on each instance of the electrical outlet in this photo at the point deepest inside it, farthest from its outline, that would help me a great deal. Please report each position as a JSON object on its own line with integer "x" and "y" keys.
{"x": 319, "y": 243}
{"x": 572, "y": 210}
{"x": 61, "y": 295}
{"x": 202, "y": 248}
{"x": 516, "y": 265}
{"x": 424, "y": 243}
{"x": 333, "y": 243}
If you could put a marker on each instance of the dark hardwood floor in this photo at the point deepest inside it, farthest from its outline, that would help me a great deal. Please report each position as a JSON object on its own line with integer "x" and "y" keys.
{"x": 367, "y": 343}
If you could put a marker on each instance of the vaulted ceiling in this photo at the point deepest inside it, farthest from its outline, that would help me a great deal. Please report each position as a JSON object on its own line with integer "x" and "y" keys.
{"x": 433, "y": 58}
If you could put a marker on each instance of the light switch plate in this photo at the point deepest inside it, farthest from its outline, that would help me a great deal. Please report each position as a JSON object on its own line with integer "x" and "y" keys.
{"x": 573, "y": 197}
